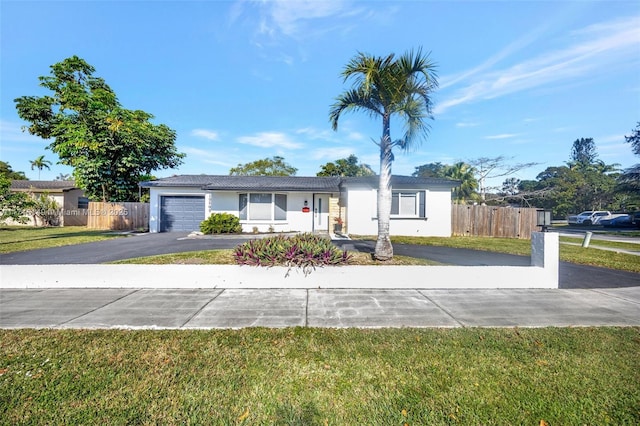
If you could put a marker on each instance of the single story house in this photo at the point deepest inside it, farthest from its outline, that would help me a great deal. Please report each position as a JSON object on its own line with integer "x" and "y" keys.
{"x": 71, "y": 200}
{"x": 420, "y": 206}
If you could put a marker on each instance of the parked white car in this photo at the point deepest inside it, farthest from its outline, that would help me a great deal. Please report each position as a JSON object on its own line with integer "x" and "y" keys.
{"x": 589, "y": 217}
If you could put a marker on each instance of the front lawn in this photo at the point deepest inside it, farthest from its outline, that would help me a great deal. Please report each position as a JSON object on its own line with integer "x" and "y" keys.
{"x": 21, "y": 238}
{"x": 306, "y": 376}
{"x": 568, "y": 253}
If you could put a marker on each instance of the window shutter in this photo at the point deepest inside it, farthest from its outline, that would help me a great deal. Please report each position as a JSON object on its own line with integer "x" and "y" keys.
{"x": 422, "y": 209}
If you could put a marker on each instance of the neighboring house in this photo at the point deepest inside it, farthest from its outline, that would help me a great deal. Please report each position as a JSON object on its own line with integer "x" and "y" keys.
{"x": 420, "y": 206}
{"x": 71, "y": 200}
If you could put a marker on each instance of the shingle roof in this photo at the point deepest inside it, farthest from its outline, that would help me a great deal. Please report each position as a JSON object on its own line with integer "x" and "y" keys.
{"x": 289, "y": 183}
{"x": 43, "y": 185}
{"x": 245, "y": 183}
{"x": 401, "y": 181}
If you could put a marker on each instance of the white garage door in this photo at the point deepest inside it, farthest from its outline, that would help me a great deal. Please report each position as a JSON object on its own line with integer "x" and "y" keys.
{"x": 181, "y": 213}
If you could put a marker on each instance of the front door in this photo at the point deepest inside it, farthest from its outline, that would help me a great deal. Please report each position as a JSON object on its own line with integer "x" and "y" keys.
{"x": 320, "y": 213}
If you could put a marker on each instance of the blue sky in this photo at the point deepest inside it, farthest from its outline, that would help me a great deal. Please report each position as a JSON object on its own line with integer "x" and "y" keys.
{"x": 244, "y": 80}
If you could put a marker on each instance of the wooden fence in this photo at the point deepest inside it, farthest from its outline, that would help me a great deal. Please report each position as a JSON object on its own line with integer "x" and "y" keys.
{"x": 490, "y": 221}
{"x": 118, "y": 216}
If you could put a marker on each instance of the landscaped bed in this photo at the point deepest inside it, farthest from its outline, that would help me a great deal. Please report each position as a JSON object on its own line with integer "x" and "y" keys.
{"x": 562, "y": 376}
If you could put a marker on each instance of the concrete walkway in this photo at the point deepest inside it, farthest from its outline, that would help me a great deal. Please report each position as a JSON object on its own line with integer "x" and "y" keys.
{"x": 236, "y": 308}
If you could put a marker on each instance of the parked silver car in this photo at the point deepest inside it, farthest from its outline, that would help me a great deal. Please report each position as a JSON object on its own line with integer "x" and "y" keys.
{"x": 589, "y": 217}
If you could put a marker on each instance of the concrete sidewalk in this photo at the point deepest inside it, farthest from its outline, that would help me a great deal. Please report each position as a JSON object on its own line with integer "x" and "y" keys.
{"x": 237, "y": 308}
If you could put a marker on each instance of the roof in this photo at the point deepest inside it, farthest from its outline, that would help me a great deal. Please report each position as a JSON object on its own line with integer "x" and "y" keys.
{"x": 245, "y": 183}
{"x": 43, "y": 185}
{"x": 397, "y": 181}
{"x": 290, "y": 183}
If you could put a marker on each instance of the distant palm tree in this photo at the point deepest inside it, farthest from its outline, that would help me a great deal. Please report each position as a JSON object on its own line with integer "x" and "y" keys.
{"x": 464, "y": 173}
{"x": 40, "y": 163}
{"x": 385, "y": 87}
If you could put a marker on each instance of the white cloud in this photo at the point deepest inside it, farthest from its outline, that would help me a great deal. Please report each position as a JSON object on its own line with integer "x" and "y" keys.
{"x": 207, "y": 134}
{"x": 269, "y": 140}
{"x": 466, "y": 124}
{"x": 601, "y": 46}
{"x": 209, "y": 157}
{"x": 290, "y": 17}
{"x": 502, "y": 136}
{"x": 331, "y": 154}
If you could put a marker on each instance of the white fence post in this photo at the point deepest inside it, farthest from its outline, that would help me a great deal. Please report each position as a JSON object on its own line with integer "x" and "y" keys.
{"x": 545, "y": 253}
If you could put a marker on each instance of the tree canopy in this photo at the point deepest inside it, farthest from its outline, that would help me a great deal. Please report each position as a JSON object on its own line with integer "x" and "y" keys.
{"x": 7, "y": 172}
{"x": 459, "y": 171}
{"x": 345, "y": 167}
{"x": 385, "y": 87}
{"x": 274, "y": 166}
{"x": 108, "y": 146}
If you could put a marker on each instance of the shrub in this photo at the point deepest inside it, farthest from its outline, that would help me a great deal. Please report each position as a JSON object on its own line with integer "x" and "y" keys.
{"x": 303, "y": 250}
{"x": 221, "y": 223}
{"x": 47, "y": 210}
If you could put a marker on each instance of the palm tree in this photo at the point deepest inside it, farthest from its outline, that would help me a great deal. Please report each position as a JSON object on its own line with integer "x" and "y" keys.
{"x": 386, "y": 87}
{"x": 40, "y": 163}
{"x": 468, "y": 184}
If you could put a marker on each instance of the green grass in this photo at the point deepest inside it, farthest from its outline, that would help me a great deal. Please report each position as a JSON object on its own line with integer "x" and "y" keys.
{"x": 306, "y": 376}
{"x": 20, "y": 238}
{"x": 568, "y": 253}
{"x": 225, "y": 257}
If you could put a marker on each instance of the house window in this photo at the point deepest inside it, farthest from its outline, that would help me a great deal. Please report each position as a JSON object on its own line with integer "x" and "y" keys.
{"x": 408, "y": 204}
{"x": 83, "y": 203}
{"x": 261, "y": 206}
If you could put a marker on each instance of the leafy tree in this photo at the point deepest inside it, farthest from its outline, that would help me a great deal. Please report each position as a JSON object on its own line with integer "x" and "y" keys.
{"x": 629, "y": 180}
{"x": 346, "y": 167}
{"x": 13, "y": 205}
{"x": 583, "y": 152}
{"x": 387, "y": 87}
{"x": 7, "y": 172}
{"x": 274, "y": 166}
{"x": 40, "y": 163}
{"x": 430, "y": 170}
{"x": 109, "y": 146}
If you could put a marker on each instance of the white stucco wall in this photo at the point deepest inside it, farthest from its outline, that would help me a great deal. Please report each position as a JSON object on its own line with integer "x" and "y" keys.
{"x": 227, "y": 202}
{"x": 361, "y": 215}
{"x": 297, "y": 220}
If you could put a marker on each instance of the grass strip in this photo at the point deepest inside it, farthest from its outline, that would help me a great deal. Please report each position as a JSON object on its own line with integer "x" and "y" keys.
{"x": 19, "y": 238}
{"x": 306, "y": 376}
{"x": 225, "y": 257}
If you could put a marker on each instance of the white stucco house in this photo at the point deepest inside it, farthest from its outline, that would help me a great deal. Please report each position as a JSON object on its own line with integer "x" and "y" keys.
{"x": 420, "y": 206}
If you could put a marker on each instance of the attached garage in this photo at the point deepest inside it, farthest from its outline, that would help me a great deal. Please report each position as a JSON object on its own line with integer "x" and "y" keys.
{"x": 181, "y": 213}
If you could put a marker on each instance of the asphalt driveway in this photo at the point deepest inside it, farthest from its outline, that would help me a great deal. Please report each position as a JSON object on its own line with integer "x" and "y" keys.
{"x": 139, "y": 245}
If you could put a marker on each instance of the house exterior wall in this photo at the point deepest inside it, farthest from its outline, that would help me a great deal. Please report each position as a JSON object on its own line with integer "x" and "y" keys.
{"x": 362, "y": 212}
{"x": 228, "y": 202}
{"x": 297, "y": 220}
{"x": 357, "y": 206}
{"x": 71, "y": 214}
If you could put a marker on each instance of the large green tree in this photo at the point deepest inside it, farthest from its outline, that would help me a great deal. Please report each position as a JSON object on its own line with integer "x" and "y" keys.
{"x": 274, "y": 166}
{"x": 40, "y": 163}
{"x": 345, "y": 167}
{"x": 13, "y": 205}
{"x": 7, "y": 172}
{"x": 108, "y": 146}
{"x": 385, "y": 87}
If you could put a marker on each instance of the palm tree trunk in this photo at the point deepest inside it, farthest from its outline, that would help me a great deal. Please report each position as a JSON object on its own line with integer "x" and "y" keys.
{"x": 384, "y": 249}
